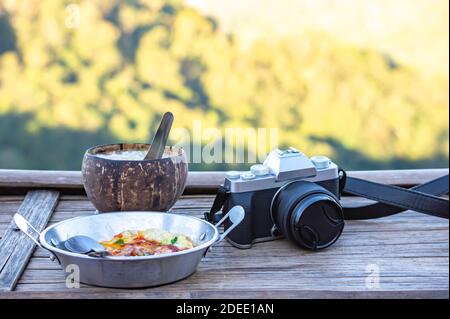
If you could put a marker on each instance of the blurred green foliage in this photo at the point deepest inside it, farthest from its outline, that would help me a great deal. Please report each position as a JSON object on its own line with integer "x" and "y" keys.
{"x": 63, "y": 89}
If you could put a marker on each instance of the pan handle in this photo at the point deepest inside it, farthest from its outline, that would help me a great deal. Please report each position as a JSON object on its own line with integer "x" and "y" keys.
{"x": 25, "y": 226}
{"x": 236, "y": 216}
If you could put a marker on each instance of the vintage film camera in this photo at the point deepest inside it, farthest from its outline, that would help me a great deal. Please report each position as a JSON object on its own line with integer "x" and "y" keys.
{"x": 289, "y": 195}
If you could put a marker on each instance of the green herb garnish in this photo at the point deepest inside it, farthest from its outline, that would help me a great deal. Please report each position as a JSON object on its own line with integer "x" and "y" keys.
{"x": 174, "y": 240}
{"x": 120, "y": 242}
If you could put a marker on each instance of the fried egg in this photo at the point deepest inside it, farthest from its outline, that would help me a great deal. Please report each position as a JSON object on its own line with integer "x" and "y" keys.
{"x": 147, "y": 242}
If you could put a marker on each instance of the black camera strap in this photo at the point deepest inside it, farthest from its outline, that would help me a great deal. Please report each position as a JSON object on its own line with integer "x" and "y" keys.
{"x": 389, "y": 199}
{"x": 221, "y": 196}
{"x": 393, "y": 199}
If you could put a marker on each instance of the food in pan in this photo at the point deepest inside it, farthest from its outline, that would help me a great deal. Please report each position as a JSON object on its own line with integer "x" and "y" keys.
{"x": 147, "y": 242}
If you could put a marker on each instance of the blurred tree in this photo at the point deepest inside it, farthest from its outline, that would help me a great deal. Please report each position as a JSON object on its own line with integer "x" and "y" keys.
{"x": 111, "y": 77}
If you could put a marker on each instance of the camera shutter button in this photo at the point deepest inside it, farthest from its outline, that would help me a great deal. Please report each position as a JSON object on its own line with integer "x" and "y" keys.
{"x": 321, "y": 162}
{"x": 259, "y": 170}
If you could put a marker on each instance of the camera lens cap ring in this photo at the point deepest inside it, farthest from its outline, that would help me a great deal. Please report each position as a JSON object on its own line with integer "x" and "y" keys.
{"x": 308, "y": 235}
{"x": 308, "y": 214}
{"x": 316, "y": 221}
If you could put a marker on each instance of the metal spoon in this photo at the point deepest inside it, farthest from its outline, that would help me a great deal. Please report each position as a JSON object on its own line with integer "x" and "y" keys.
{"x": 85, "y": 245}
{"x": 158, "y": 144}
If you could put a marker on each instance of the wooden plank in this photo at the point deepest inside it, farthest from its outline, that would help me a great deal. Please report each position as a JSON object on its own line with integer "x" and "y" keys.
{"x": 51, "y": 291}
{"x": 199, "y": 282}
{"x": 368, "y": 247}
{"x": 322, "y": 294}
{"x": 8, "y": 207}
{"x": 205, "y": 182}
{"x": 302, "y": 278}
{"x": 259, "y": 260}
{"x": 184, "y": 202}
{"x": 77, "y": 294}
{"x": 15, "y": 247}
{"x": 40, "y": 178}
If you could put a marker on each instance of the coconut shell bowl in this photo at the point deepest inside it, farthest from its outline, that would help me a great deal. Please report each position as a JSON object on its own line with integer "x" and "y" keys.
{"x": 113, "y": 184}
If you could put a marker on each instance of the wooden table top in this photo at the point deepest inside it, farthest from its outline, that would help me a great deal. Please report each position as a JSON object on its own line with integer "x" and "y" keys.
{"x": 409, "y": 252}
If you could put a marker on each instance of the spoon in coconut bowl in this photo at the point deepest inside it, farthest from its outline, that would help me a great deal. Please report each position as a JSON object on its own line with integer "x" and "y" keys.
{"x": 158, "y": 144}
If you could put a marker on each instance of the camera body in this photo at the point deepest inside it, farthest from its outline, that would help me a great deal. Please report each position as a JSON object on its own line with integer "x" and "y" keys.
{"x": 289, "y": 195}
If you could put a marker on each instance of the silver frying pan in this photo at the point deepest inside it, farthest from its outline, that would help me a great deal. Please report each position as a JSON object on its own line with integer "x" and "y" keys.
{"x": 132, "y": 272}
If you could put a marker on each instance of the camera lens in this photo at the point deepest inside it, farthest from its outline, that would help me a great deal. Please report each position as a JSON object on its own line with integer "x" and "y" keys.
{"x": 308, "y": 214}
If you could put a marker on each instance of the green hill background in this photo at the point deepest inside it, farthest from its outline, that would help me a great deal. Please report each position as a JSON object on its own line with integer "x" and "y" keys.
{"x": 63, "y": 89}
